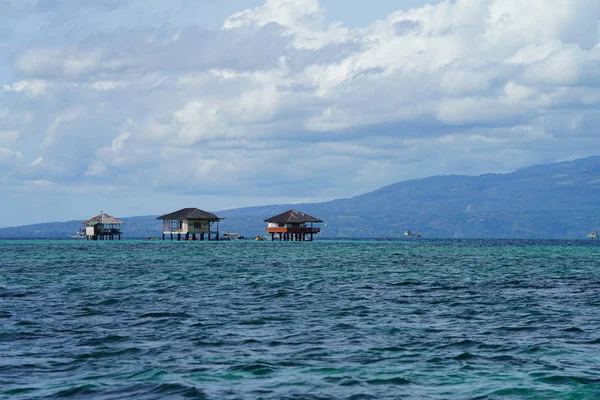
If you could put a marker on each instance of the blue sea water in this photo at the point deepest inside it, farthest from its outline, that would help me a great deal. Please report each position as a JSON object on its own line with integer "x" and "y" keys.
{"x": 328, "y": 319}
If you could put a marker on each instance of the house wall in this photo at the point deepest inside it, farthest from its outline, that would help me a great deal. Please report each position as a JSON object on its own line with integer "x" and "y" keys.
{"x": 188, "y": 226}
{"x": 278, "y": 225}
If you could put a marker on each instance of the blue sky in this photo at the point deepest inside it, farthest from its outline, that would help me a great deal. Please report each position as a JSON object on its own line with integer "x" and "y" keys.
{"x": 142, "y": 107}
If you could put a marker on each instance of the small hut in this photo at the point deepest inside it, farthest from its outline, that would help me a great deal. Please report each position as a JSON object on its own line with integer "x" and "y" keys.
{"x": 103, "y": 227}
{"x": 190, "y": 221}
{"x": 292, "y": 225}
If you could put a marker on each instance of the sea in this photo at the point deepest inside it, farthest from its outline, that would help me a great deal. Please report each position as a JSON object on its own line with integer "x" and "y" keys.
{"x": 348, "y": 319}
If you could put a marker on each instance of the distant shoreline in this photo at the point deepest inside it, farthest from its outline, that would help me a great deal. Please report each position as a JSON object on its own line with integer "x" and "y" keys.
{"x": 349, "y": 239}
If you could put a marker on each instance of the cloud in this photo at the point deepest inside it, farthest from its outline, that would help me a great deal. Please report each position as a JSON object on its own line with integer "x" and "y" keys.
{"x": 9, "y": 155}
{"x": 283, "y": 100}
{"x": 69, "y": 64}
{"x": 303, "y": 20}
{"x": 33, "y": 88}
{"x": 37, "y": 161}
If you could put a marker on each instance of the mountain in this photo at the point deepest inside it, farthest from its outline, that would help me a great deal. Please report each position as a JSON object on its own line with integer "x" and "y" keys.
{"x": 135, "y": 227}
{"x": 559, "y": 200}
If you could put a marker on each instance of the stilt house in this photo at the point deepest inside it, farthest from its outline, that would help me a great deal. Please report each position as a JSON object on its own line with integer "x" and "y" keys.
{"x": 190, "y": 223}
{"x": 103, "y": 227}
{"x": 293, "y": 225}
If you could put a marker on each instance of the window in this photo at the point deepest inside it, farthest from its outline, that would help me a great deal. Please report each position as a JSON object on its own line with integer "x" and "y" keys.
{"x": 197, "y": 225}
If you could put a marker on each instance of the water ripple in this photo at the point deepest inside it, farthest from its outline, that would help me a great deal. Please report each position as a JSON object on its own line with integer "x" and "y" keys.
{"x": 332, "y": 319}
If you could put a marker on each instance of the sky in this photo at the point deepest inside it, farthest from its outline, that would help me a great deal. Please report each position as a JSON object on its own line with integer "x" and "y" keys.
{"x": 143, "y": 107}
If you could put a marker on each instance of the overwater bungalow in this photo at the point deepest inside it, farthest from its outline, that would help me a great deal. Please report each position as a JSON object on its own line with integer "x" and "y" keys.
{"x": 190, "y": 223}
{"x": 103, "y": 227}
{"x": 292, "y": 225}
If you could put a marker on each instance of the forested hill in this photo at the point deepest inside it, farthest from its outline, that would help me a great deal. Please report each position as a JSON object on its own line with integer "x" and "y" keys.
{"x": 546, "y": 201}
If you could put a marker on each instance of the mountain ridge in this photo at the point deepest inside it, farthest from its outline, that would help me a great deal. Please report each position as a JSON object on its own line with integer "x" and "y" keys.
{"x": 558, "y": 200}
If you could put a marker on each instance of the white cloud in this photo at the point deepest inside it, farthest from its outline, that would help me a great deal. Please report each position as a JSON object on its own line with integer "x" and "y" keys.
{"x": 302, "y": 19}
{"x": 280, "y": 98}
{"x": 37, "y": 161}
{"x": 534, "y": 52}
{"x": 117, "y": 143}
{"x": 33, "y": 88}
{"x": 56, "y": 128}
{"x": 9, "y": 155}
{"x": 71, "y": 63}
{"x": 105, "y": 85}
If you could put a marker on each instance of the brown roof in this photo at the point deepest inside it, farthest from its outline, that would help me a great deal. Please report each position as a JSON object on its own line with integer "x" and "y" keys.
{"x": 293, "y": 217}
{"x": 103, "y": 219}
{"x": 190, "y": 213}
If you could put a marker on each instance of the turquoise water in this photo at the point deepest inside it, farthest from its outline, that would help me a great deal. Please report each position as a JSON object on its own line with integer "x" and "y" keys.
{"x": 328, "y": 319}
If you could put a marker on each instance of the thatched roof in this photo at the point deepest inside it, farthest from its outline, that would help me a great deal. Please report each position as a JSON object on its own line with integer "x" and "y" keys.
{"x": 190, "y": 213}
{"x": 292, "y": 217}
{"x": 104, "y": 219}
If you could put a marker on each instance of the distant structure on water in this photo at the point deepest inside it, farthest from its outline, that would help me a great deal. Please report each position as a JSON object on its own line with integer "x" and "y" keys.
{"x": 80, "y": 234}
{"x": 412, "y": 234}
{"x": 593, "y": 235}
{"x": 232, "y": 236}
{"x": 103, "y": 227}
{"x": 190, "y": 221}
{"x": 292, "y": 225}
